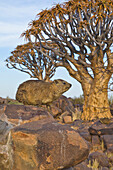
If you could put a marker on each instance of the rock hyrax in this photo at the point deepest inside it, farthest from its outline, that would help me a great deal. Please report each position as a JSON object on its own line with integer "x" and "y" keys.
{"x": 38, "y": 92}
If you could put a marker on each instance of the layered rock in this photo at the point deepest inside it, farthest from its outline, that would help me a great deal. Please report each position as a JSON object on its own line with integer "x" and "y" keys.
{"x": 19, "y": 114}
{"x": 62, "y": 109}
{"x": 102, "y": 131}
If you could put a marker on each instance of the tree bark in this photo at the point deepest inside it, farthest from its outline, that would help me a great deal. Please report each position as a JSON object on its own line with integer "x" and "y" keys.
{"x": 96, "y": 103}
{"x": 95, "y": 88}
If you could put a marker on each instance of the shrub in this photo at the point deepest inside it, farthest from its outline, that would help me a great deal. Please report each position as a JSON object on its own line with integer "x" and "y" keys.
{"x": 78, "y": 100}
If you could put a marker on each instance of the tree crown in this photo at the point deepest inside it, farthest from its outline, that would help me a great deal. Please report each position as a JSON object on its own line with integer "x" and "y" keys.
{"x": 78, "y": 33}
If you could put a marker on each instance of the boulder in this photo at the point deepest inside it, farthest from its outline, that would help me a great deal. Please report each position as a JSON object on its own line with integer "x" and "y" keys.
{"x": 19, "y": 114}
{"x": 67, "y": 119}
{"x": 63, "y": 115}
{"x": 45, "y": 144}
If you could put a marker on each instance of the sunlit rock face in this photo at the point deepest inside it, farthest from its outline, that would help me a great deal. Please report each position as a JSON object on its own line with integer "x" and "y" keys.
{"x": 45, "y": 144}
{"x": 10, "y": 117}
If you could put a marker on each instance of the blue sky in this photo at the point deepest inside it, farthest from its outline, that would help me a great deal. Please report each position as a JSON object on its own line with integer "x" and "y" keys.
{"x": 14, "y": 19}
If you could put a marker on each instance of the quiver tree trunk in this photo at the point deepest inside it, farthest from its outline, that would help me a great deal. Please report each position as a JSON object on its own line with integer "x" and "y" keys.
{"x": 96, "y": 103}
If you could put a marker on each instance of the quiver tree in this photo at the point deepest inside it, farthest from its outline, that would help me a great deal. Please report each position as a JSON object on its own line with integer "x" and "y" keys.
{"x": 83, "y": 33}
{"x": 28, "y": 59}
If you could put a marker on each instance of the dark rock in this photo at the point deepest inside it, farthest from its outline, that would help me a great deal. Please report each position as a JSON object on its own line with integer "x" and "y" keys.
{"x": 82, "y": 166}
{"x": 108, "y": 139}
{"x": 71, "y": 168}
{"x": 45, "y": 144}
{"x": 110, "y": 150}
{"x": 3, "y": 101}
{"x": 55, "y": 111}
{"x": 101, "y": 158}
{"x": 18, "y": 114}
{"x": 64, "y": 104}
{"x": 103, "y": 123}
{"x": 66, "y": 108}
{"x": 82, "y": 128}
{"x": 103, "y": 129}
{"x": 78, "y": 123}
{"x": 107, "y": 131}
{"x": 111, "y": 159}
{"x": 104, "y": 168}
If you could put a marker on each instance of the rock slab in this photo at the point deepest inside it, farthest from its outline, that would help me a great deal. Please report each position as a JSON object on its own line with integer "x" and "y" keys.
{"x": 20, "y": 114}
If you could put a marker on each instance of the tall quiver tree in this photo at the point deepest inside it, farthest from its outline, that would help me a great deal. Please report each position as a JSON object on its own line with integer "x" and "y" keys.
{"x": 83, "y": 33}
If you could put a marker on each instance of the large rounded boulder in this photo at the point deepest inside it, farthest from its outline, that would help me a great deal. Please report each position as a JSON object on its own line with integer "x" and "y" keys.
{"x": 45, "y": 144}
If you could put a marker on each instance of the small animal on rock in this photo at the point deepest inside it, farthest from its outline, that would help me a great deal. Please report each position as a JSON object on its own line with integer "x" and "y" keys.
{"x": 38, "y": 92}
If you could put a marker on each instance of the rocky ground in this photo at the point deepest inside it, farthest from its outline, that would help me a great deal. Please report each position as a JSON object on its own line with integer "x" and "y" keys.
{"x": 53, "y": 138}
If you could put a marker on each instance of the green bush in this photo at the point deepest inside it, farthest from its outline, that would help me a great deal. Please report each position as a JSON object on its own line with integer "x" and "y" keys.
{"x": 12, "y": 101}
{"x": 78, "y": 100}
{"x": 15, "y": 102}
